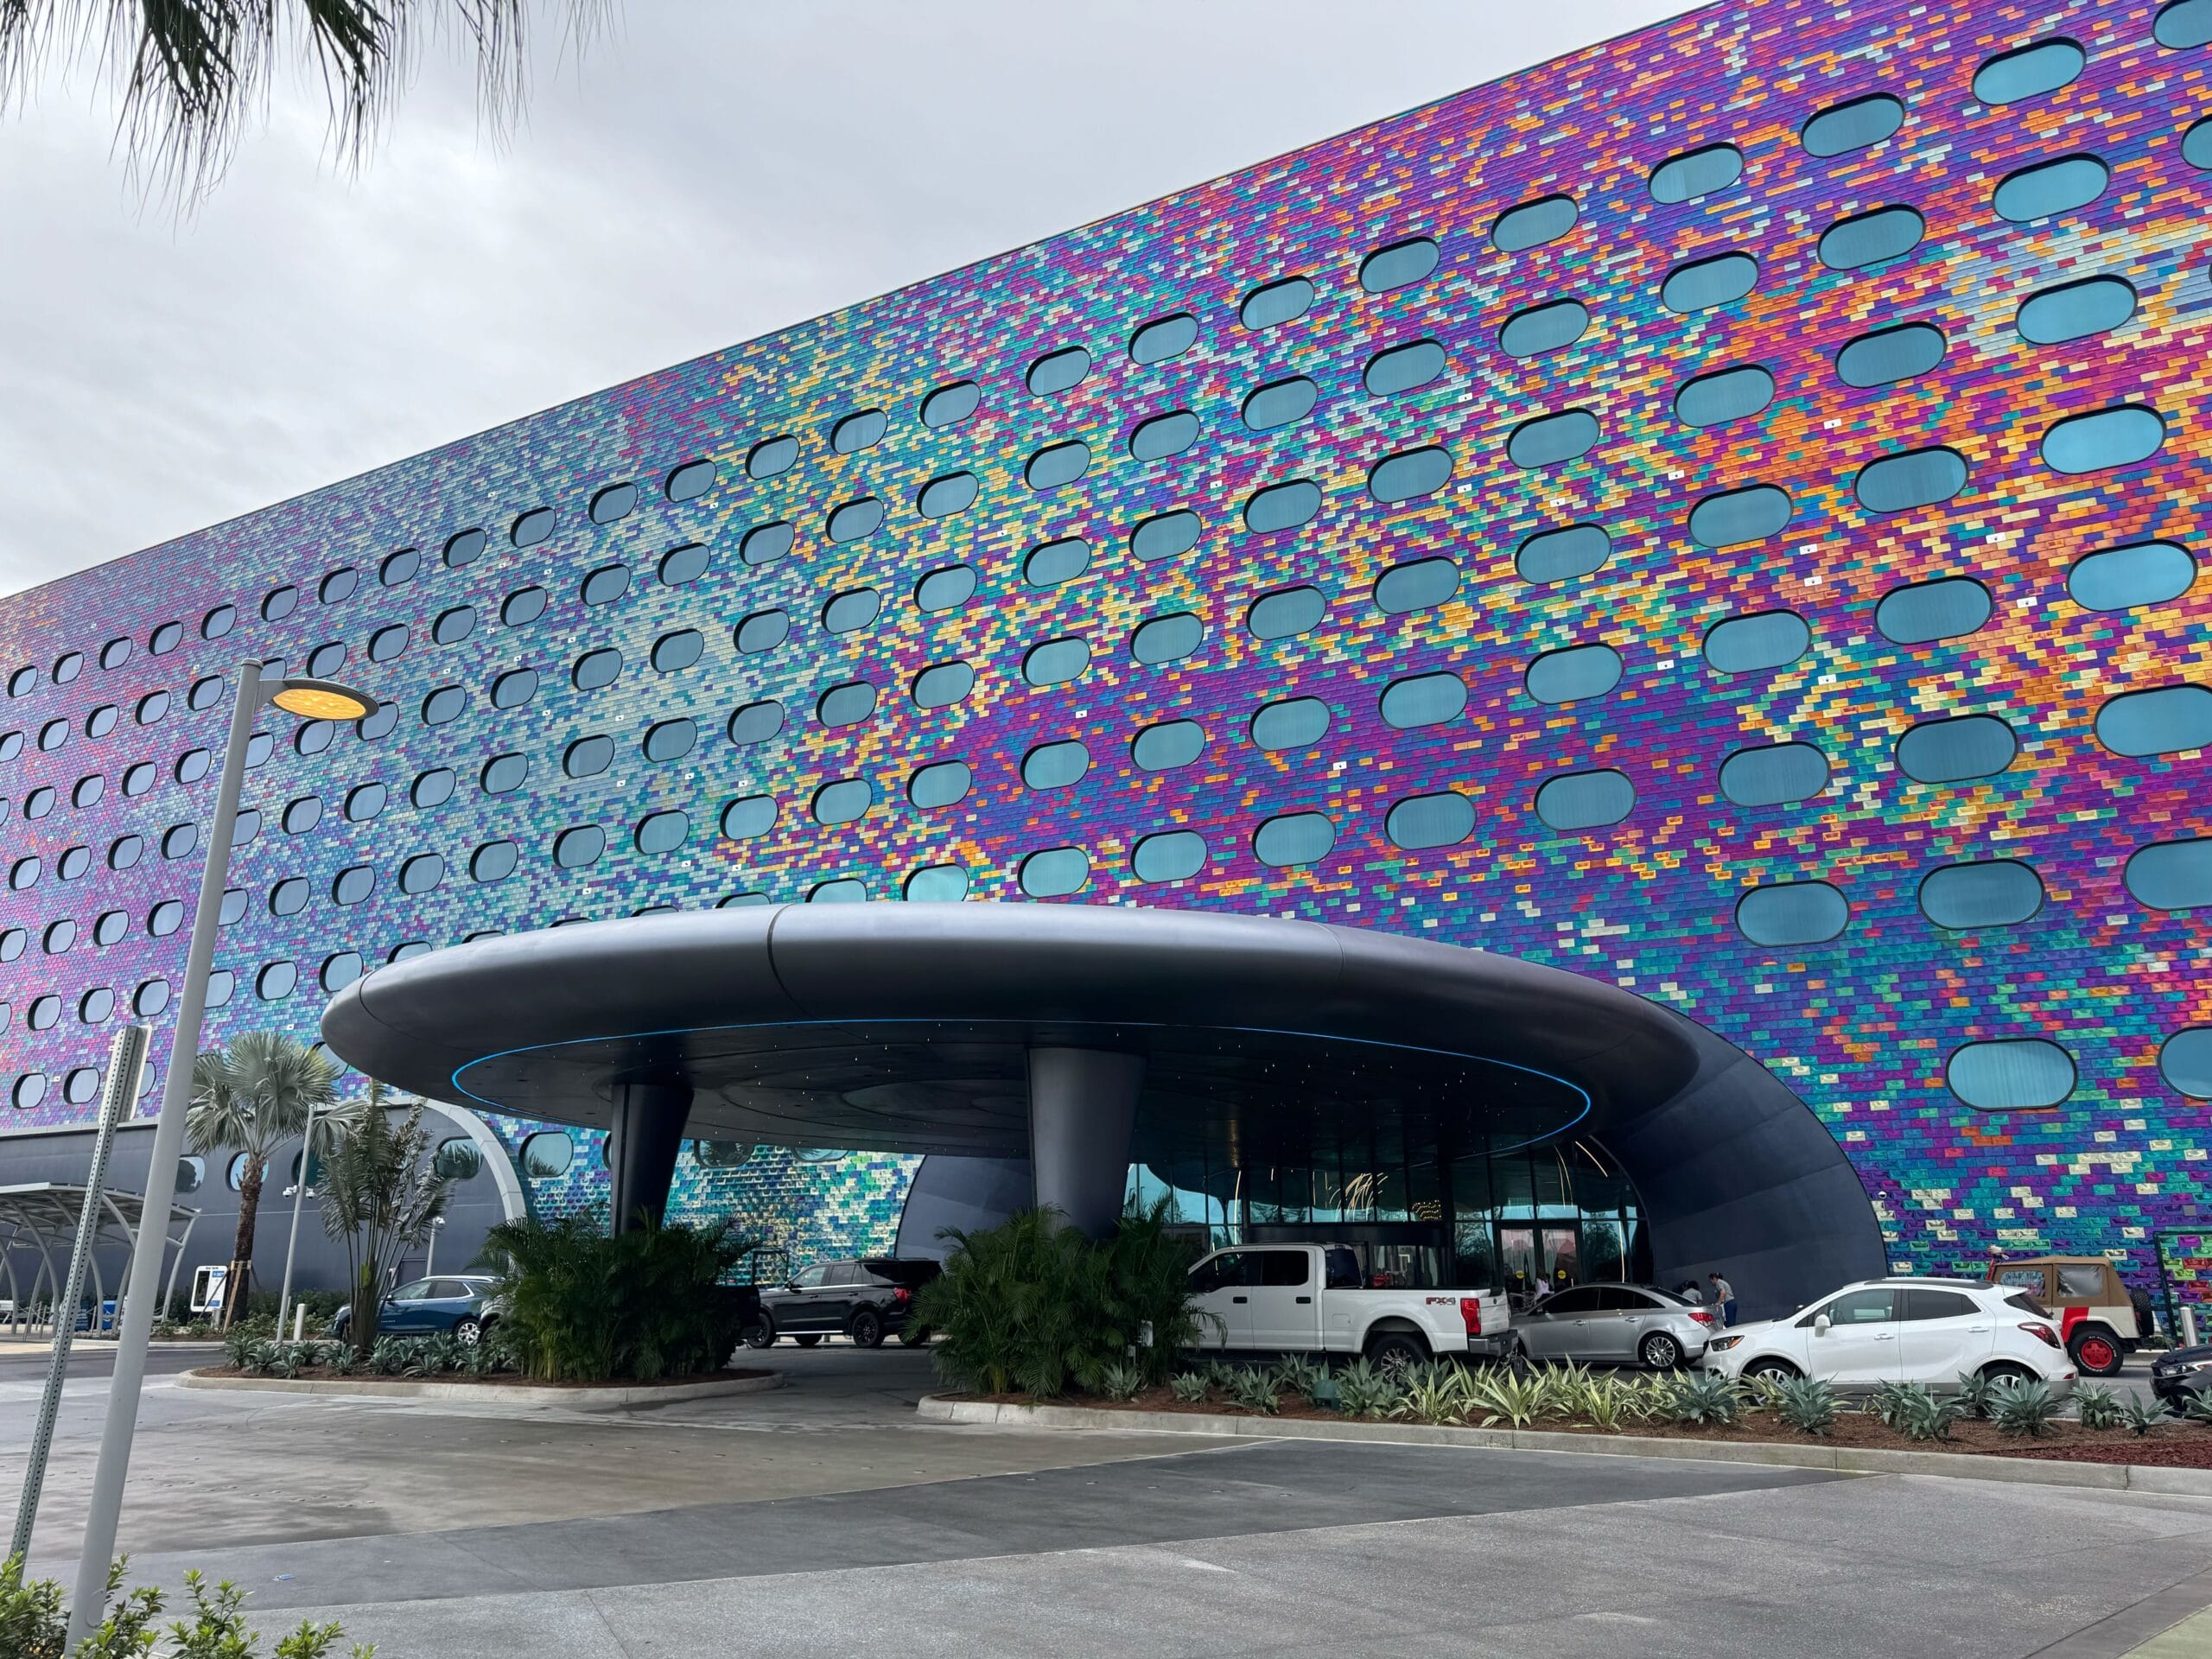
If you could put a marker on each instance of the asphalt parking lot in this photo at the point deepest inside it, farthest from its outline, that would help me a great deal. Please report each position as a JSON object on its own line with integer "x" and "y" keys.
{"x": 825, "y": 1518}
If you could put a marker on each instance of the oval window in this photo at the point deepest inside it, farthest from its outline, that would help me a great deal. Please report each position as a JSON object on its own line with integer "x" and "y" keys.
{"x": 1549, "y": 439}
{"x": 1775, "y": 775}
{"x": 936, "y": 884}
{"x": 763, "y": 630}
{"x": 765, "y": 544}
{"x": 1563, "y": 554}
{"x": 852, "y": 610}
{"x": 1704, "y": 283}
{"x": 1275, "y": 302}
{"x": 687, "y": 562}
{"x": 690, "y": 481}
{"x": 1055, "y": 871}
{"x": 1856, "y": 124}
{"x": 1932, "y": 610}
{"x": 671, "y": 739}
{"x": 756, "y": 722}
{"x": 1954, "y": 750}
{"x": 950, "y": 405}
{"x": 1889, "y": 355}
{"x": 1171, "y": 744}
{"x": 1412, "y": 474}
{"x": 1543, "y": 328}
{"x": 1577, "y": 672}
{"x": 1533, "y": 224}
{"x": 1055, "y": 765}
{"x": 352, "y": 884}
{"x": 2184, "y": 23}
{"x": 1743, "y": 645}
{"x": 432, "y": 788}
{"x": 1175, "y": 856}
{"x": 588, "y": 756}
{"x": 846, "y": 705}
{"x": 2169, "y": 720}
{"x": 1163, "y": 338}
{"x": 1792, "y": 912}
{"x": 1056, "y": 661}
{"x": 2029, "y": 72}
{"x": 1283, "y": 506}
{"x": 1696, "y": 173}
{"x": 943, "y": 784}
{"x": 1057, "y": 464}
{"x": 856, "y": 520}
{"x": 1398, "y": 266}
{"x": 2074, "y": 310}
{"x": 749, "y": 818}
{"x": 662, "y": 832}
{"x": 1416, "y": 585}
{"x": 1727, "y": 395}
{"x": 1295, "y": 838}
{"x": 444, "y": 705}
{"x": 862, "y": 430}
{"x": 532, "y": 527}
{"x": 512, "y": 691}
{"x": 615, "y": 501}
{"x": 1917, "y": 478}
{"x": 1423, "y": 700}
{"x": 1295, "y": 723}
{"x": 602, "y": 586}
{"x": 946, "y": 589}
{"x": 547, "y": 1156}
{"x": 677, "y": 651}
{"x": 1054, "y": 562}
{"x": 1163, "y": 435}
{"x": 2171, "y": 874}
{"x": 1165, "y": 536}
{"x": 2049, "y": 187}
{"x": 582, "y": 844}
{"x": 493, "y": 862}
{"x": 1281, "y": 402}
{"x": 942, "y": 497}
{"x": 771, "y": 456}
{"x": 1735, "y": 517}
{"x": 2109, "y": 438}
{"x": 2185, "y": 1061}
{"x": 1998, "y": 894}
{"x": 1286, "y": 611}
{"x": 2011, "y": 1075}
{"x": 421, "y": 873}
{"x": 2121, "y": 578}
{"x": 1869, "y": 239}
{"x": 1167, "y": 639}
{"x": 1585, "y": 800}
{"x": 1403, "y": 368}
{"x": 1057, "y": 372}
{"x": 942, "y": 685}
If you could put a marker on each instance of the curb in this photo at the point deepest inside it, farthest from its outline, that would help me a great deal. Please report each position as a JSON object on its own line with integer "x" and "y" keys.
{"x": 1859, "y": 1460}
{"x": 497, "y": 1393}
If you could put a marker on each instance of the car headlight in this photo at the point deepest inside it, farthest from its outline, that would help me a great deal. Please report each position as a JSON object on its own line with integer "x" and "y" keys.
{"x": 1721, "y": 1345}
{"x": 2190, "y": 1365}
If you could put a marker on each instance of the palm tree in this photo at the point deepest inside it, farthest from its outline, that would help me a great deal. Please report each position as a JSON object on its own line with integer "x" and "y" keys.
{"x": 381, "y": 1195}
{"x": 188, "y": 76}
{"x": 249, "y": 1098}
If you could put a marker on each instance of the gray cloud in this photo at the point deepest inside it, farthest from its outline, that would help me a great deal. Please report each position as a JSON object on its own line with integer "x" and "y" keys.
{"x": 706, "y": 175}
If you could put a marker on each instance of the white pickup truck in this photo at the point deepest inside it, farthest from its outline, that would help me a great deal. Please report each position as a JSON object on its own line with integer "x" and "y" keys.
{"x": 1309, "y": 1298}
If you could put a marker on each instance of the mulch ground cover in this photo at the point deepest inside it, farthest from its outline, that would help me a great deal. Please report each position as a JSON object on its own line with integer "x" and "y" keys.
{"x": 503, "y": 1379}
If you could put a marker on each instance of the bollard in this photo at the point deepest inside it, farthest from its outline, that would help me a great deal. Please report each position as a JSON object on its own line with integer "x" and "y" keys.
{"x": 2188, "y": 1326}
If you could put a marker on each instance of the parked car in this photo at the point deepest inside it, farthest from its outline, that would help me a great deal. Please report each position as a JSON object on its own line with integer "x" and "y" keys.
{"x": 2181, "y": 1377}
{"x": 1616, "y": 1322}
{"x": 2100, "y": 1320}
{"x": 1310, "y": 1299}
{"x": 465, "y": 1304}
{"x": 866, "y": 1300}
{"x": 1929, "y": 1331}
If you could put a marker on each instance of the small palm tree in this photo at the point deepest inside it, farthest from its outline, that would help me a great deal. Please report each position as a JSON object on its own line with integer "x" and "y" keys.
{"x": 249, "y": 1098}
{"x": 381, "y": 1195}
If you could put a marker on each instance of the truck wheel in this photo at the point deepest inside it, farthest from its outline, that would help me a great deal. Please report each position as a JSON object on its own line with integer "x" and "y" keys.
{"x": 867, "y": 1329}
{"x": 1659, "y": 1351}
{"x": 1395, "y": 1352}
{"x": 2097, "y": 1351}
{"x": 760, "y": 1334}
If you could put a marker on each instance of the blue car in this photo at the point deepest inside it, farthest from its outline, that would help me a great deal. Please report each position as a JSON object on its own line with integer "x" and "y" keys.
{"x": 465, "y": 1304}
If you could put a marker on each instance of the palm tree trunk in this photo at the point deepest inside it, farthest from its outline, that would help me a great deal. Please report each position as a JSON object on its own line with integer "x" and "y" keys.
{"x": 236, "y": 1285}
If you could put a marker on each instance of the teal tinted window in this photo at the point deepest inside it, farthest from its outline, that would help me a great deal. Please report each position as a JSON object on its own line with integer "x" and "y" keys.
{"x": 532, "y": 527}
{"x": 2185, "y": 22}
{"x": 1704, "y": 283}
{"x": 1998, "y": 894}
{"x": 945, "y": 589}
{"x": 1057, "y": 464}
{"x": 1167, "y": 639}
{"x": 1056, "y": 661}
{"x": 690, "y": 481}
{"x": 1841, "y": 127}
{"x": 1696, "y": 173}
{"x": 1281, "y": 402}
{"x": 936, "y": 884}
{"x": 1055, "y": 871}
{"x": 1423, "y": 700}
{"x": 1792, "y": 912}
{"x": 2050, "y": 187}
{"x": 1729, "y": 395}
{"x": 942, "y": 685}
{"x": 950, "y": 405}
{"x": 2029, "y": 72}
{"x": 2197, "y": 145}
{"x": 942, "y": 784}
{"x": 662, "y": 832}
{"x": 771, "y": 456}
{"x": 1168, "y": 745}
{"x": 1585, "y": 800}
{"x": 1743, "y": 645}
{"x": 1918, "y": 478}
{"x": 1283, "y": 506}
{"x": 1552, "y": 438}
{"x": 1164, "y": 434}
{"x": 671, "y": 653}
{"x": 856, "y": 520}
{"x": 1175, "y": 856}
{"x": 842, "y": 802}
{"x": 1055, "y": 765}
{"x": 1560, "y": 555}
{"x": 1403, "y": 368}
{"x": 2110, "y": 437}
{"x": 1295, "y": 838}
{"x": 855, "y": 608}
{"x": 585, "y": 758}
{"x": 1164, "y": 337}
{"x": 1950, "y": 751}
{"x": 615, "y": 501}
{"x": 2185, "y": 1061}
{"x": 1890, "y": 355}
{"x": 1059, "y": 371}
{"x": 844, "y": 890}
{"x": 1775, "y": 775}
{"x": 1543, "y": 328}
{"x": 1297, "y": 723}
{"x": 859, "y": 431}
{"x": 2014, "y": 1075}
{"x": 1417, "y": 585}
{"x": 1734, "y": 517}
{"x": 765, "y": 544}
{"x": 2172, "y": 874}
{"x": 1397, "y": 265}
{"x": 678, "y": 565}
{"x": 756, "y": 722}
{"x": 1054, "y": 562}
{"x": 503, "y": 772}
{"x": 1165, "y": 536}
{"x": 1422, "y": 821}
{"x": 2074, "y": 310}
{"x": 1869, "y": 239}
{"x": 942, "y": 497}
{"x": 846, "y": 705}
{"x": 1264, "y": 307}
{"x": 2141, "y": 573}
{"x": 2166, "y": 721}
{"x": 1286, "y": 611}
{"x": 1409, "y": 474}
{"x": 1533, "y": 224}
{"x": 1932, "y": 610}
{"x": 671, "y": 739}
{"x": 572, "y": 848}
{"x": 1578, "y": 671}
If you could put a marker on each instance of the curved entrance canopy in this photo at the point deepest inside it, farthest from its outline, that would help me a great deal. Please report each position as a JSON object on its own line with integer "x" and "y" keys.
{"x": 1085, "y": 1036}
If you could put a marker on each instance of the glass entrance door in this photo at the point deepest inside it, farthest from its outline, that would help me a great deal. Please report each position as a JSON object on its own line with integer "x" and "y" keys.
{"x": 1536, "y": 1259}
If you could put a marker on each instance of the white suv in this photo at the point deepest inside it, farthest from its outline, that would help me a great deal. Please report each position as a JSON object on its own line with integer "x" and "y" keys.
{"x": 1902, "y": 1330}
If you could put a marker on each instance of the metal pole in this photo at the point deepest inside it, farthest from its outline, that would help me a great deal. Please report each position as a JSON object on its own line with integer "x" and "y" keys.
{"x": 292, "y": 1244}
{"x": 88, "y": 1608}
{"x": 126, "y": 1062}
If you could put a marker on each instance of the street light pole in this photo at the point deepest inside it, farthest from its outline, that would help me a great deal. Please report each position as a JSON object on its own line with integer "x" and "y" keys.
{"x": 292, "y": 1243}
{"x": 315, "y": 699}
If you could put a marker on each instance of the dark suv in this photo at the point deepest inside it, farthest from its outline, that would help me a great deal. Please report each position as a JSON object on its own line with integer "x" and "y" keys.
{"x": 867, "y": 1300}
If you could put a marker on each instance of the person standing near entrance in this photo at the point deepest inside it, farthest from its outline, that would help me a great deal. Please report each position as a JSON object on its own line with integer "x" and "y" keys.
{"x": 1724, "y": 1297}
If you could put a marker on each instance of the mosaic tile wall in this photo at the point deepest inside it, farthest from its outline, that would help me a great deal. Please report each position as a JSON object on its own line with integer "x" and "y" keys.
{"x": 782, "y": 581}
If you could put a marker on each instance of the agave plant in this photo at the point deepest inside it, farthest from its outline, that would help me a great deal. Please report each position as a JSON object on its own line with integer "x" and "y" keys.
{"x": 1189, "y": 1387}
{"x": 1892, "y": 1399}
{"x": 389, "y": 1358}
{"x": 1975, "y": 1394}
{"x": 1363, "y": 1390}
{"x": 1121, "y": 1380}
{"x": 1926, "y": 1415}
{"x": 2139, "y": 1416}
{"x": 343, "y": 1360}
{"x": 2097, "y": 1405}
{"x": 2024, "y": 1408}
{"x": 1706, "y": 1399}
{"x": 1806, "y": 1403}
{"x": 1297, "y": 1374}
{"x": 2198, "y": 1409}
{"x": 1502, "y": 1396}
{"x": 1254, "y": 1391}
{"x": 1607, "y": 1401}
{"x": 1434, "y": 1393}
{"x": 237, "y": 1344}
{"x": 1220, "y": 1374}
{"x": 262, "y": 1356}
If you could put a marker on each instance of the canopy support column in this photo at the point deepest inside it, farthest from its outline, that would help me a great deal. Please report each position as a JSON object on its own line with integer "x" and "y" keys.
{"x": 647, "y": 1134}
{"x": 1082, "y": 1110}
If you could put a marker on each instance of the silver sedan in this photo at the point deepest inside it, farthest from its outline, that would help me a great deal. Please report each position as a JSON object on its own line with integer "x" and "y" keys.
{"x": 1617, "y": 1323}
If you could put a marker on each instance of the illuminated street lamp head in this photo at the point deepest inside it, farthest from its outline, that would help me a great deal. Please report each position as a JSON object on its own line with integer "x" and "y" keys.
{"x": 321, "y": 700}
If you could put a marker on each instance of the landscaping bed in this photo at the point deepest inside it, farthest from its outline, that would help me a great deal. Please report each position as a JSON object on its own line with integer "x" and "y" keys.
{"x": 357, "y": 1377}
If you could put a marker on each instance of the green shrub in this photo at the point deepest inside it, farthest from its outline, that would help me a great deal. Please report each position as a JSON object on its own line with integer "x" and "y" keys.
{"x": 2198, "y": 1409}
{"x": 1891, "y": 1401}
{"x": 1704, "y": 1398}
{"x": 1034, "y": 1307}
{"x": 583, "y": 1307}
{"x": 1806, "y": 1403}
{"x": 1220, "y": 1374}
{"x": 1255, "y": 1391}
{"x": 1434, "y": 1393}
{"x": 1189, "y": 1387}
{"x": 2139, "y": 1416}
{"x": 1364, "y": 1391}
{"x": 1976, "y": 1394}
{"x": 1121, "y": 1380}
{"x": 1508, "y": 1396}
{"x": 2028, "y": 1408}
{"x": 1927, "y": 1416}
{"x": 2097, "y": 1405}
{"x": 1296, "y": 1374}
{"x": 34, "y": 1626}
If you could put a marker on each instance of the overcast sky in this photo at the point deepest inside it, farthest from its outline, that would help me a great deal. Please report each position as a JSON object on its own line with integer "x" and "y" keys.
{"x": 709, "y": 172}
